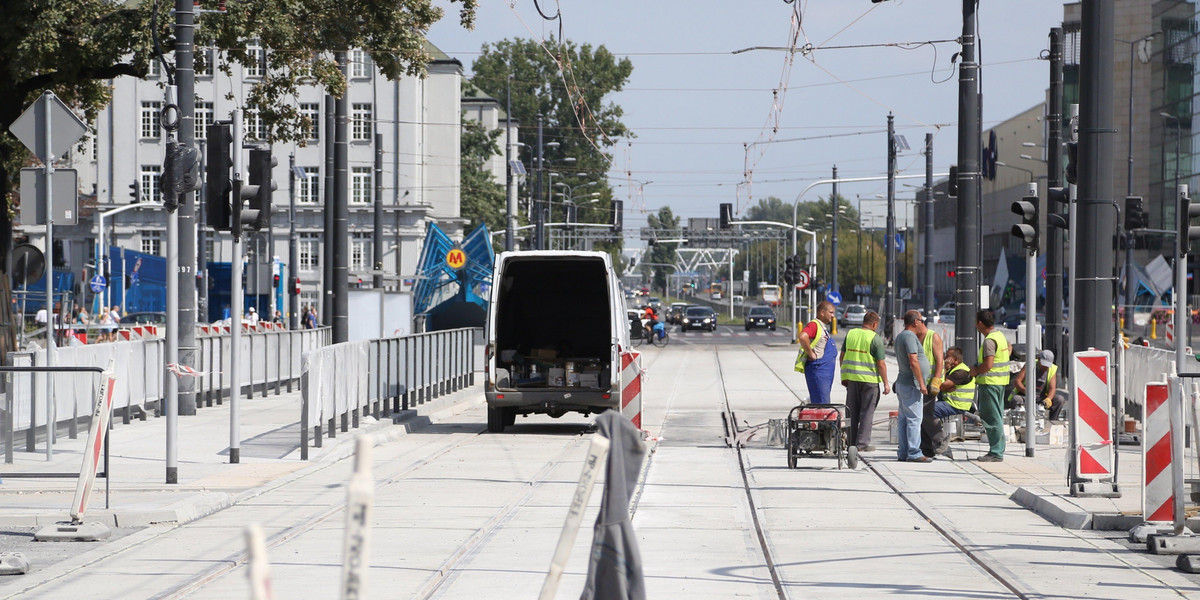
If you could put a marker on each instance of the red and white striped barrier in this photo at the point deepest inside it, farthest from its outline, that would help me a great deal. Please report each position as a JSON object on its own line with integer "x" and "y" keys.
{"x": 631, "y": 387}
{"x": 1093, "y": 450}
{"x": 1171, "y": 331}
{"x": 1157, "y": 491}
{"x": 95, "y": 446}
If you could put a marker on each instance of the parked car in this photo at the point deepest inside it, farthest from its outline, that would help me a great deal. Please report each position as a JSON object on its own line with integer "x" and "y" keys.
{"x": 698, "y": 317}
{"x": 675, "y": 312}
{"x": 760, "y": 316}
{"x": 946, "y": 314}
{"x": 144, "y": 318}
{"x": 932, "y": 317}
{"x": 853, "y": 316}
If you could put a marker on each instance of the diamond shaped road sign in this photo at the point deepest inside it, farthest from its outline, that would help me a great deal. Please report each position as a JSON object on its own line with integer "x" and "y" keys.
{"x": 65, "y": 127}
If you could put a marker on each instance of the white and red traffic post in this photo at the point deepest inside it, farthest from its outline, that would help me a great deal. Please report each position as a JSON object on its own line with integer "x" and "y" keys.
{"x": 1091, "y": 426}
{"x": 597, "y": 451}
{"x": 94, "y": 450}
{"x": 258, "y": 567}
{"x": 360, "y": 497}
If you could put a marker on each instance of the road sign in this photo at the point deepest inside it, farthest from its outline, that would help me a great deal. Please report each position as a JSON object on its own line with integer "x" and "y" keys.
{"x": 456, "y": 258}
{"x": 834, "y": 298}
{"x": 802, "y": 279}
{"x": 98, "y": 284}
{"x": 906, "y": 293}
{"x": 29, "y": 264}
{"x": 65, "y": 202}
{"x": 65, "y": 127}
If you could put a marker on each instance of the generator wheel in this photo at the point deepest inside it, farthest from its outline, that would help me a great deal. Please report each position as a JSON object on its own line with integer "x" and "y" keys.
{"x": 791, "y": 459}
{"x": 852, "y": 457}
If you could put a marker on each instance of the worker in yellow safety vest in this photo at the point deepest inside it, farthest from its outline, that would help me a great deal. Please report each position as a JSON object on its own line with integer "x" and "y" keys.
{"x": 1047, "y": 384}
{"x": 958, "y": 390}
{"x": 818, "y": 354}
{"x": 991, "y": 376}
{"x": 863, "y": 369}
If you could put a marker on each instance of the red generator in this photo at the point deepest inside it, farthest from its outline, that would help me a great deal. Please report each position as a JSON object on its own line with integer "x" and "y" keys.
{"x": 819, "y": 430}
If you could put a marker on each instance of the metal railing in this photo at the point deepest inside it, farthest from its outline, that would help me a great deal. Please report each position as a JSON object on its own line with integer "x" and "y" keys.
{"x": 401, "y": 372}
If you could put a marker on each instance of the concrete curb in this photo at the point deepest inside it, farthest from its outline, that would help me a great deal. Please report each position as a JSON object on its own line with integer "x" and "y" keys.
{"x": 1052, "y": 508}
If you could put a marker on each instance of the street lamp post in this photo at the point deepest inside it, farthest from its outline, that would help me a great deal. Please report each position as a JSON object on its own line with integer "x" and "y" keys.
{"x": 1027, "y": 171}
{"x": 1141, "y": 46}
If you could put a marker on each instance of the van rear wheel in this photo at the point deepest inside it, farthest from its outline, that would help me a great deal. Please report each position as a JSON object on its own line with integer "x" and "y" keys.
{"x": 495, "y": 418}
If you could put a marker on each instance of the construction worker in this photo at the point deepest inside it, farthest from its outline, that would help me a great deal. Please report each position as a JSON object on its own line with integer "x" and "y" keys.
{"x": 863, "y": 368}
{"x": 958, "y": 390}
{"x": 933, "y": 440}
{"x": 991, "y": 377}
{"x": 817, "y": 355}
{"x": 1047, "y": 383}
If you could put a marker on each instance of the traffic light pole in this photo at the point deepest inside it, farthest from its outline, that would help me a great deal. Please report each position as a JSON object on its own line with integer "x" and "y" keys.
{"x": 1054, "y": 240}
{"x": 186, "y": 235}
{"x": 1032, "y": 394}
{"x": 966, "y": 241}
{"x": 236, "y": 302}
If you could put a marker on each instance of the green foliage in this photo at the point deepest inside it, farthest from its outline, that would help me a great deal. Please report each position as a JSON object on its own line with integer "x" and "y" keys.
{"x": 577, "y": 117}
{"x": 662, "y": 253}
{"x": 482, "y": 198}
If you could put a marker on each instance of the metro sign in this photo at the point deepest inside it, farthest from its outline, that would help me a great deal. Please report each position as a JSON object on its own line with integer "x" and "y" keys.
{"x": 456, "y": 258}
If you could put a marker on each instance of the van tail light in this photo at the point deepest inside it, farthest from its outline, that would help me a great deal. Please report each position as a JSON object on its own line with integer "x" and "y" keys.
{"x": 606, "y": 396}
{"x": 499, "y": 396}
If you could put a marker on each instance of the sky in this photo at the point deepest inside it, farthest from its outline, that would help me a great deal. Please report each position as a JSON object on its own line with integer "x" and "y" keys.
{"x": 701, "y": 114}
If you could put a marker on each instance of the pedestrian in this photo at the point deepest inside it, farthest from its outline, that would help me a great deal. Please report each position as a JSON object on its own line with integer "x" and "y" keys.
{"x": 252, "y": 317}
{"x": 863, "y": 368}
{"x": 958, "y": 390}
{"x": 304, "y": 316}
{"x": 312, "y": 318}
{"x": 933, "y": 439}
{"x": 991, "y": 377}
{"x": 911, "y": 376}
{"x": 278, "y": 316}
{"x": 818, "y": 354}
{"x": 1047, "y": 384}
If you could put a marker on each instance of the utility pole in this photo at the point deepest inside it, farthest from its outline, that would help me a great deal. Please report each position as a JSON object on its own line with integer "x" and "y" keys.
{"x": 539, "y": 217}
{"x": 833, "y": 206}
{"x": 377, "y": 221}
{"x": 328, "y": 211}
{"x": 510, "y": 220}
{"x": 293, "y": 249}
{"x": 341, "y": 214}
{"x": 186, "y": 276}
{"x": 890, "y": 243}
{"x": 1054, "y": 242}
{"x": 1092, "y": 323}
{"x": 927, "y": 218}
{"x": 966, "y": 241}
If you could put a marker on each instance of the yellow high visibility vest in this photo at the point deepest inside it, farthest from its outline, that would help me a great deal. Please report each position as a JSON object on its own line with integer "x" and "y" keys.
{"x": 858, "y": 364}
{"x": 963, "y": 395}
{"x": 818, "y": 346}
{"x": 999, "y": 374}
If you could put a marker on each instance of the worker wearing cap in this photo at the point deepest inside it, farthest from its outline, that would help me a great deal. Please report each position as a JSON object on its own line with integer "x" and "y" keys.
{"x": 1047, "y": 383}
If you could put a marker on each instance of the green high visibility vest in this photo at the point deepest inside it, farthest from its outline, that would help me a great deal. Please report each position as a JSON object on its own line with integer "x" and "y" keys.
{"x": 857, "y": 363}
{"x": 818, "y": 346}
{"x": 964, "y": 395}
{"x": 927, "y": 344}
{"x": 999, "y": 374}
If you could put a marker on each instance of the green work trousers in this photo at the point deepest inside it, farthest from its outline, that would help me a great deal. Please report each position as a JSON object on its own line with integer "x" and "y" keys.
{"x": 990, "y": 399}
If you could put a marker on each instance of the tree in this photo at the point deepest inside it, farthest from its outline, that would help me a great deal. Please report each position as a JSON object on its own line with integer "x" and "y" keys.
{"x": 661, "y": 253}
{"x": 482, "y": 199}
{"x": 74, "y": 48}
{"x": 546, "y": 80}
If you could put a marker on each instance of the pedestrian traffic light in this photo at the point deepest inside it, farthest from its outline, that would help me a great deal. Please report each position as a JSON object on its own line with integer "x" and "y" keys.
{"x": 726, "y": 215}
{"x": 1135, "y": 213}
{"x": 135, "y": 192}
{"x": 261, "y": 165}
{"x": 618, "y": 215}
{"x": 296, "y": 287}
{"x": 1183, "y": 220}
{"x": 950, "y": 273}
{"x": 789, "y": 275}
{"x": 216, "y": 175}
{"x": 952, "y": 182}
{"x": 1027, "y": 229}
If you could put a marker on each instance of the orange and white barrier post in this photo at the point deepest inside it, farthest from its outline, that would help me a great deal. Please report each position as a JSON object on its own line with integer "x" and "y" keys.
{"x": 1157, "y": 494}
{"x": 259, "y": 568}
{"x": 597, "y": 451}
{"x": 1091, "y": 426}
{"x": 631, "y": 387}
{"x": 94, "y": 451}
{"x": 360, "y": 497}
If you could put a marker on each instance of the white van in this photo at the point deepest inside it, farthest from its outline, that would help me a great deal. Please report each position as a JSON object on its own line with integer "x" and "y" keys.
{"x": 557, "y": 337}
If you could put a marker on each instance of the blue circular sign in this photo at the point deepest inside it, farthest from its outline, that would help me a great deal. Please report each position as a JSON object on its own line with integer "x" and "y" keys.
{"x": 834, "y": 297}
{"x": 98, "y": 284}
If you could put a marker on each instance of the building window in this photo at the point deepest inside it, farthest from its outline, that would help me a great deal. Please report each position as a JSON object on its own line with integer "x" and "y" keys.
{"x": 313, "y": 112}
{"x": 149, "y": 120}
{"x": 361, "y": 185}
{"x": 155, "y": 70}
{"x": 360, "y": 64}
{"x": 360, "y": 251}
{"x": 204, "y": 118}
{"x": 210, "y": 62}
{"x": 258, "y": 59}
{"x": 210, "y": 248}
{"x": 308, "y": 190}
{"x": 256, "y": 129}
{"x": 361, "y": 121}
{"x": 149, "y": 182}
{"x": 310, "y": 251}
{"x": 152, "y": 242}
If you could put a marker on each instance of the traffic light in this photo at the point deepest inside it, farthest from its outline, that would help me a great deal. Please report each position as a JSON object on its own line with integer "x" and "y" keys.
{"x": 789, "y": 270}
{"x": 1183, "y": 220}
{"x": 1056, "y": 196}
{"x": 180, "y": 173}
{"x": 952, "y": 182}
{"x": 726, "y": 215}
{"x": 275, "y": 282}
{"x": 1027, "y": 229}
{"x": 1135, "y": 213}
{"x": 618, "y": 215}
{"x": 135, "y": 192}
{"x": 219, "y": 162}
{"x": 951, "y": 274}
{"x": 296, "y": 287}
{"x": 1072, "y": 162}
{"x": 259, "y": 213}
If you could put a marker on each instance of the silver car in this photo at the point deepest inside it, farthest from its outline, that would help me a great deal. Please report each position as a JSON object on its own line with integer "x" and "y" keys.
{"x": 853, "y": 316}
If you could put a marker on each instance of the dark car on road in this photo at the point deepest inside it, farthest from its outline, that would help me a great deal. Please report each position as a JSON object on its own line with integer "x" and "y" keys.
{"x": 675, "y": 312}
{"x": 698, "y": 317}
{"x": 760, "y": 316}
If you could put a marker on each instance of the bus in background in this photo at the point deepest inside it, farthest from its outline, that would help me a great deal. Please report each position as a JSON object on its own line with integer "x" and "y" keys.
{"x": 771, "y": 294}
{"x": 715, "y": 290}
